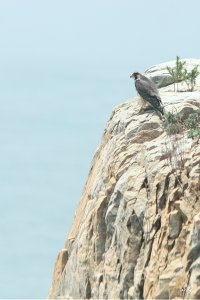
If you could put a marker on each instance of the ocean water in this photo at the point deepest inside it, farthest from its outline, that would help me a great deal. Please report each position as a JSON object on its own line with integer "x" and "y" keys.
{"x": 51, "y": 122}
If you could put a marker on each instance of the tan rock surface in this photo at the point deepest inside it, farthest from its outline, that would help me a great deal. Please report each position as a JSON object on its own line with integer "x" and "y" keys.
{"x": 136, "y": 232}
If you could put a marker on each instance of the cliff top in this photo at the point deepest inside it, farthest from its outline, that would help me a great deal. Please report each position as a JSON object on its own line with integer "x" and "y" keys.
{"x": 137, "y": 226}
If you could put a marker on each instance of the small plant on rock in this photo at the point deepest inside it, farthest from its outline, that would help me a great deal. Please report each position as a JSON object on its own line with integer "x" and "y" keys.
{"x": 173, "y": 127}
{"x": 178, "y": 72}
{"x": 193, "y": 124}
{"x": 190, "y": 78}
{"x": 172, "y": 123}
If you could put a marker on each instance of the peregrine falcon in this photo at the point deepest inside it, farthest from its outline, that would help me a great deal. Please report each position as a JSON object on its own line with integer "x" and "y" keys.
{"x": 147, "y": 89}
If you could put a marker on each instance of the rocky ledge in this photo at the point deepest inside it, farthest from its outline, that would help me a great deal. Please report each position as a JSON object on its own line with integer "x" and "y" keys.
{"x": 136, "y": 232}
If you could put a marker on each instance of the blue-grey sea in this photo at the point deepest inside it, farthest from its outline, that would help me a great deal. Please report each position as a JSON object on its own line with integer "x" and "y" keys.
{"x": 51, "y": 121}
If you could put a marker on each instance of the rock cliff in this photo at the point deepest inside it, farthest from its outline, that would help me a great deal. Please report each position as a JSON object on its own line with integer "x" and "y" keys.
{"x": 136, "y": 232}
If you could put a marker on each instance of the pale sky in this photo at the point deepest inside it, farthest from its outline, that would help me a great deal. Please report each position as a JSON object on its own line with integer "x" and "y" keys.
{"x": 100, "y": 33}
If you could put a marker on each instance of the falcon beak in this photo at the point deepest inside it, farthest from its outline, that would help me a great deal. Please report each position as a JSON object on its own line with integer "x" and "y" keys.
{"x": 131, "y": 76}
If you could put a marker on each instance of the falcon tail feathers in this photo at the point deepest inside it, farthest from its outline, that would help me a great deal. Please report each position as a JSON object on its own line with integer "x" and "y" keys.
{"x": 161, "y": 113}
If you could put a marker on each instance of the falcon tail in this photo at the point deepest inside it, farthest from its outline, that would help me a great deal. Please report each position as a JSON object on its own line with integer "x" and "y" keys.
{"x": 161, "y": 112}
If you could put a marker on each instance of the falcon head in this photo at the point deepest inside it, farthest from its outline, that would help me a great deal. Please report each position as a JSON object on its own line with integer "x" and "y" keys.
{"x": 136, "y": 76}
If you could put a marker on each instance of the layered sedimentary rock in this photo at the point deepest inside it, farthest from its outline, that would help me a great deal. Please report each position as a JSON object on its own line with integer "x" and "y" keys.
{"x": 136, "y": 232}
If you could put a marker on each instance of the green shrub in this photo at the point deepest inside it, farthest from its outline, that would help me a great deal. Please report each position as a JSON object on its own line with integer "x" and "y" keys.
{"x": 193, "y": 124}
{"x": 179, "y": 73}
{"x": 172, "y": 123}
{"x": 190, "y": 78}
{"x": 175, "y": 129}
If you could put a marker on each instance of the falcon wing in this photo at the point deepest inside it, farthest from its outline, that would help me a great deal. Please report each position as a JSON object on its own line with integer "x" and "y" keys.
{"x": 148, "y": 91}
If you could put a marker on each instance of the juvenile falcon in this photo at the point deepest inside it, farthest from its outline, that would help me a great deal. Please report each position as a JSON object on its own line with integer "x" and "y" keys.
{"x": 147, "y": 89}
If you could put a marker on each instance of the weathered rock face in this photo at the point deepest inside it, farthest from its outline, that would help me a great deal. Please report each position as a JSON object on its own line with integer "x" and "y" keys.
{"x": 136, "y": 232}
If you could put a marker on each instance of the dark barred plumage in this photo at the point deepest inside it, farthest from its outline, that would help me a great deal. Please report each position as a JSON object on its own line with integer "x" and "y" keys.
{"x": 147, "y": 89}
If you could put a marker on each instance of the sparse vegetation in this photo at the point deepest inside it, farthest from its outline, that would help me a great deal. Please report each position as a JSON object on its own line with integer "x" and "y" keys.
{"x": 190, "y": 78}
{"x": 172, "y": 123}
{"x": 176, "y": 129}
{"x": 193, "y": 124}
{"x": 177, "y": 72}
{"x": 175, "y": 138}
{"x": 180, "y": 73}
